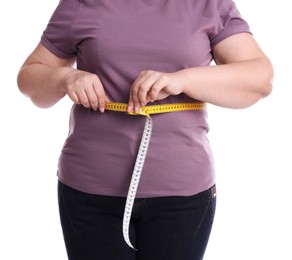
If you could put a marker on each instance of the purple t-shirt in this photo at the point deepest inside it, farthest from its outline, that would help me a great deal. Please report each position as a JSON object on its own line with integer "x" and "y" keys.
{"x": 116, "y": 40}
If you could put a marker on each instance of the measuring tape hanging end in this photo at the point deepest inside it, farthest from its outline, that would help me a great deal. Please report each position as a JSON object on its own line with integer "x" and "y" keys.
{"x": 140, "y": 159}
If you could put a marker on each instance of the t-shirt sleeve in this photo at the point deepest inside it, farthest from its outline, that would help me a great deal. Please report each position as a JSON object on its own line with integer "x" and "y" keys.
{"x": 57, "y": 37}
{"x": 229, "y": 22}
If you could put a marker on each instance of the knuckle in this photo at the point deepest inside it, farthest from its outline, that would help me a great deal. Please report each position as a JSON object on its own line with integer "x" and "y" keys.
{"x": 143, "y": 72}
{"x": 163, "y": 77}
{"x": 144, "y": 86}
{"x": 155, "y": 88}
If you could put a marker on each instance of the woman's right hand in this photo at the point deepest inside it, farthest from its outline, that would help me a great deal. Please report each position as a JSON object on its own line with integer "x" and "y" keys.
{"x": 85, "y": 88}
{"x": 46, "y": 78}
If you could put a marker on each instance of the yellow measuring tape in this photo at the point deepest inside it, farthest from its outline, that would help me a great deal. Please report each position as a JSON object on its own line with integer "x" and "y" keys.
{"x": 142, "y": 152}
{"x": 156, "y": 109}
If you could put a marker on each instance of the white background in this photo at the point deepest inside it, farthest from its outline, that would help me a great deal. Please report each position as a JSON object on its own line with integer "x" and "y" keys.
{"x": 252, "y": 149}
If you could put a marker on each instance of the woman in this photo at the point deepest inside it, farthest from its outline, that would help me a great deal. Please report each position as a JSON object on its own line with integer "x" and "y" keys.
{"x": 142, "y": 53}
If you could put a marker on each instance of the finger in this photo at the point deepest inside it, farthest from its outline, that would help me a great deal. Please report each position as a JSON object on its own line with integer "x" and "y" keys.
{"x": 133, "y": 102}
{"x": 156, "y": 89}
{"x": 83, "y": 97}
{"x": 73, "y": 96}
{"x": 153, "y": 86}
{"x": 100, "y": 95}
{"x": 71, "y": 93}
{"x": 92, "y": 98}
{"x": 101, "y": 103}
{"x": 140, "y": 89}
{"x": 144, "y": 90}
{"x": 130, "y": 106}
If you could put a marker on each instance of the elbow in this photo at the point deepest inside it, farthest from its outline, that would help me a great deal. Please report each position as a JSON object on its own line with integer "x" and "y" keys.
{"x": 262, "y": 81}
{"x": 20, "y": 80}
{"x": 267, "y": 89}
{"x": 260, "y": 87}
{"x": 266, "y": 79}
{"x": 25, "y": 88}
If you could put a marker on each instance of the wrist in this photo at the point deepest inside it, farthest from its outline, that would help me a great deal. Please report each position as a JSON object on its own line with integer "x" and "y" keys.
{"x": 184, "y": 81}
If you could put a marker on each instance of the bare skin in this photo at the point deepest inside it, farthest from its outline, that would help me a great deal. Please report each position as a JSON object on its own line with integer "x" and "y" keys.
{"x": 242, "y": 76}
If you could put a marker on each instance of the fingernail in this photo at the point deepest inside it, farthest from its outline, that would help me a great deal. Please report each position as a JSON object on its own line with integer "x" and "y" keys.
{"x": 101, "y": 110}
{"x": 136, "y": 110}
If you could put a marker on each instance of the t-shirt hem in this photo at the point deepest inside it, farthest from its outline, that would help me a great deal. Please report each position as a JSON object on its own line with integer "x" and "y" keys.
{"x": 227, "y": 34}
{"x": 52, "y": 48}
{"x": 151, "y": 194}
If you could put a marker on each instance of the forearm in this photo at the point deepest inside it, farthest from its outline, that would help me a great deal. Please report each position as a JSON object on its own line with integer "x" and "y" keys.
{"x": 234, "y": 85}
{"x": 42, "y": 83}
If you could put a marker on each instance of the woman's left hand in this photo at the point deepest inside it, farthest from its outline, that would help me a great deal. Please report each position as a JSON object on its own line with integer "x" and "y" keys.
{"x": 153, "y": 85}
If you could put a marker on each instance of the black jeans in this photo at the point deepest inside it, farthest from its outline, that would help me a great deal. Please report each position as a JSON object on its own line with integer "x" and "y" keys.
{"x": 164, "y": 228}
